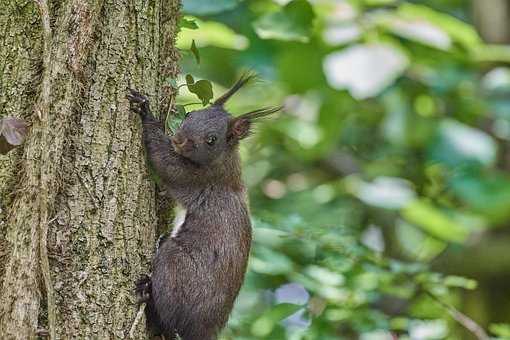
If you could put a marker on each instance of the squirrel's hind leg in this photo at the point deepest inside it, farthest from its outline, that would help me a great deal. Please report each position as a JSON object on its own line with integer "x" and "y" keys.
{"x": 143, "y": 291}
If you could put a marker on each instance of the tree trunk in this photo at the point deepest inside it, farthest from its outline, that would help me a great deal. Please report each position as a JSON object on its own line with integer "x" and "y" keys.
{"x": 78, "y": 210}
{"x": 491, "y": 20}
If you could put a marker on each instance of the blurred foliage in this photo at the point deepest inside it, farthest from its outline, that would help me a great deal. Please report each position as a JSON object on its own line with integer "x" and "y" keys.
{"x": 390, "y": 161}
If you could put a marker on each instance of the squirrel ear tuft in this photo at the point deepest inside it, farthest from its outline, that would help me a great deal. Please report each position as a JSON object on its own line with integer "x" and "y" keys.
{"x": 245, "y": 78}
{"x": 240, "y": 127}
{"x": 260, "y": 113}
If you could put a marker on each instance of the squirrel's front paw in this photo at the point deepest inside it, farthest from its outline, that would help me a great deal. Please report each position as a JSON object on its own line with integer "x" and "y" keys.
{"x": 138, "y": 102}
{"x": 143, "y": 289}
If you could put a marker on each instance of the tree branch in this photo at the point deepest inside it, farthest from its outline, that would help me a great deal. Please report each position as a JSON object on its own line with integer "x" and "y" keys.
{"x": 461, "y": 318}
{"x": 138, "y": 317}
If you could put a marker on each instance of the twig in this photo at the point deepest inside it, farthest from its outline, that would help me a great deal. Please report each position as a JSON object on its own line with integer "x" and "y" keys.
{"x": 461, "y": 318}
{"x": 194, "y": 103}
{"x": 138, "y": 317}
{"x": 457, "y": 315}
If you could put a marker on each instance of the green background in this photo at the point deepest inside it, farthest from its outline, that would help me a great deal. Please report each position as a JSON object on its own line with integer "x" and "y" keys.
{"x": 381, "y": 195}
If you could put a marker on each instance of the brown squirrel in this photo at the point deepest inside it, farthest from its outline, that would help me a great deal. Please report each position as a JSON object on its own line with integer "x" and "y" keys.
{"x": 198, "y": 271}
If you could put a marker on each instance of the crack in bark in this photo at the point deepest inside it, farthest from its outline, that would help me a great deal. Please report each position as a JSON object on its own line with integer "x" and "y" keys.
{"x": 43, "y": 113}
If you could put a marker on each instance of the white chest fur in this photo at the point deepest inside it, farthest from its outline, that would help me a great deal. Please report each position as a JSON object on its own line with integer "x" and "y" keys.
{"x": 180, "y": 216}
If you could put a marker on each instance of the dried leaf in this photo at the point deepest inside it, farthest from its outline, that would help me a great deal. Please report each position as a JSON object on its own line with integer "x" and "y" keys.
{"x": 12, "y": 133}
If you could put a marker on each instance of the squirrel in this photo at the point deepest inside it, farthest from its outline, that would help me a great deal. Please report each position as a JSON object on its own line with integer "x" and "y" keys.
{"x": 198, "y": 271}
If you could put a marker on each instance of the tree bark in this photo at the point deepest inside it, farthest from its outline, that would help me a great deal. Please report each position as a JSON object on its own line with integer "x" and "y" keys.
{"x": 78, "y": 210}
{"x": 491, "y": 19}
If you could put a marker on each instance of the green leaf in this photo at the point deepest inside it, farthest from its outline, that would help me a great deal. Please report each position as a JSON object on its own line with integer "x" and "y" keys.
{"x": 408, "y": 268}
{"x": 460, "y": 282}
{"x": 203, "y": 90}
{"x": 458, "y": 144}
{"x": 212, "y": 33}
{"x": 383, "y": 192}
{"x": 493, "y": 53}
{"x": 501, "y": 329}
{"x": 365, "y": 69}
{"x": 379, "y": 2}
{"x": 325, "y": 276}
{"x": 268, "y": 261}
{"x": 174, "y": 121}
{"x": 434, "y": 222}
{"x": 268, "y": 236}
{"x": 420, "y": 31}
{"x": 458, "y": 30}
{"x": 188, "y": 23}
{"x": 181, "y": 110}
{"x": 195, "y": 52}
{"x": 201, "y": 7}
{"x": 292, "y": 23}
{"x": 485, "y": 193}
{"x": 265, "y": 324}
{"x": 417, "y": 243}
{"x": 189, "y": 79}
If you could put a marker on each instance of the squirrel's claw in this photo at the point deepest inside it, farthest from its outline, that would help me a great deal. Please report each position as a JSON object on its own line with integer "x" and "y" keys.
{"x": 136, "y": 110}
{"x": 136, "y": 97}
{"x": 143, "y": 289}
{"x": 138, "y": 102}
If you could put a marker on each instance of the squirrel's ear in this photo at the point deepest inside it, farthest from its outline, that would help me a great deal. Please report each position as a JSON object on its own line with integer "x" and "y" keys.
{"x": 239, "y": 127}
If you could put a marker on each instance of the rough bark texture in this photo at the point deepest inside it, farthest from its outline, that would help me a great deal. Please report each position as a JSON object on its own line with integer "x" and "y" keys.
{"x": 78, "y": 211}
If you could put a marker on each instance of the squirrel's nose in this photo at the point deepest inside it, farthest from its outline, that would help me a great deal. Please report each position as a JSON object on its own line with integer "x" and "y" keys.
{"x": 179, "y": 141}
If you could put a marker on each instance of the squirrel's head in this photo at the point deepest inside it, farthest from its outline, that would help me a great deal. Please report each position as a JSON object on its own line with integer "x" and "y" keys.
{"x": 208, "y": 134}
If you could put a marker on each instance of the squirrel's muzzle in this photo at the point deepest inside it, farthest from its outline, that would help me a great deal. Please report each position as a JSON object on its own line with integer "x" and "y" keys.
{"x": 181, "y": 143}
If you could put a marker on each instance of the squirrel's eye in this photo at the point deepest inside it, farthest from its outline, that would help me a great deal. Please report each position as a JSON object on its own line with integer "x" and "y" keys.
{"x": 211, "y": 140}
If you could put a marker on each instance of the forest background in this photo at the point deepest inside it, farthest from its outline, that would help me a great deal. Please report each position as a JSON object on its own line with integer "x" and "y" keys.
{"x": 381, "y": 196}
